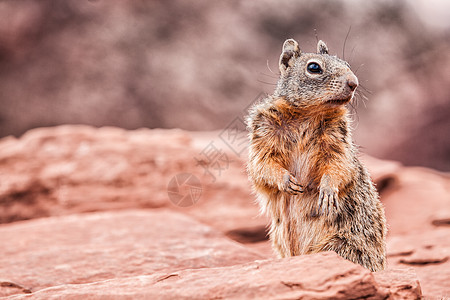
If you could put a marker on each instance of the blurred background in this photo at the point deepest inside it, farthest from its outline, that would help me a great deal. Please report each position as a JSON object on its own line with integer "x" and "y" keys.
{"x": 196, "y": 65}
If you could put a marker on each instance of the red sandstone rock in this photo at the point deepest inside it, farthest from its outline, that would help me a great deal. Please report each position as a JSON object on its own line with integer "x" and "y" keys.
{"x": 416, "y": 210}
{"x": 68, "y": 169}
{"x": 97, "y": 246}
{"x": 414, "y": 200}
{"x": 441, "y": 217}
{"x": 73, "y": 169}
{"x": 400, "y": 283}
{"x": 428, "y": 254}
{"x": 425, "y": 256}
{"x": 318, "y": 276}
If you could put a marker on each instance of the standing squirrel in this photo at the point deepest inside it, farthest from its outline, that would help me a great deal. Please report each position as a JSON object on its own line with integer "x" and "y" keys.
{"x": 304, "y": 166}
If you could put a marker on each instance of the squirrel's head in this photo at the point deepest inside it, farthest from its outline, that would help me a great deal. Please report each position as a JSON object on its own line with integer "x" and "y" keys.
{"x": 314, "y": 78}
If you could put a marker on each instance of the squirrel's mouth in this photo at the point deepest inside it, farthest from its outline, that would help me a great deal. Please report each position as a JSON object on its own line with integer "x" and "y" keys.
{"x": 340, "y": 98}
{"x": 339, "y": 101}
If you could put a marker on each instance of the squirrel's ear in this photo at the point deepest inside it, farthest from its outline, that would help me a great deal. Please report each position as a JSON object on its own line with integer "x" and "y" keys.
{"x": 290, "y": 52}
{"x": 322, "y": 47}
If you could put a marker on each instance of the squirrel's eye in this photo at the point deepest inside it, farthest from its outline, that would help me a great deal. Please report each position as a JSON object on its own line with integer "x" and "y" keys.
{"x": 314, "y": 68}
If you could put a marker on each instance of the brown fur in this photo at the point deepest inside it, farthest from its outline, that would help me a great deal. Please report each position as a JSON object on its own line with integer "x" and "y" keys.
{"x": 304, "y": 165}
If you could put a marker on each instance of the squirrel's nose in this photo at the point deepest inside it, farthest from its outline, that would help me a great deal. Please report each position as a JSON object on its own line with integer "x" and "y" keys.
{"x": 352, "y": 81}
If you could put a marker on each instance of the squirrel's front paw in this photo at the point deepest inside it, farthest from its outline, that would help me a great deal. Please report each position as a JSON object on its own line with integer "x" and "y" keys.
{"x": 291, "y": 185}
{"x": 328, "y": 200}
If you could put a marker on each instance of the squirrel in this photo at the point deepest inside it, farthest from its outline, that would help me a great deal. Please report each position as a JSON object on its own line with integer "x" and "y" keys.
{"x": 304, "y": 167}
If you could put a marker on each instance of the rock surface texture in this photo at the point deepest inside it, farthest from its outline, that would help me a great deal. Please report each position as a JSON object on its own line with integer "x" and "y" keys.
{"x": 319, "y": 276}
{"x": 85, "y": 213}
{"x": 83, "y": 248}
